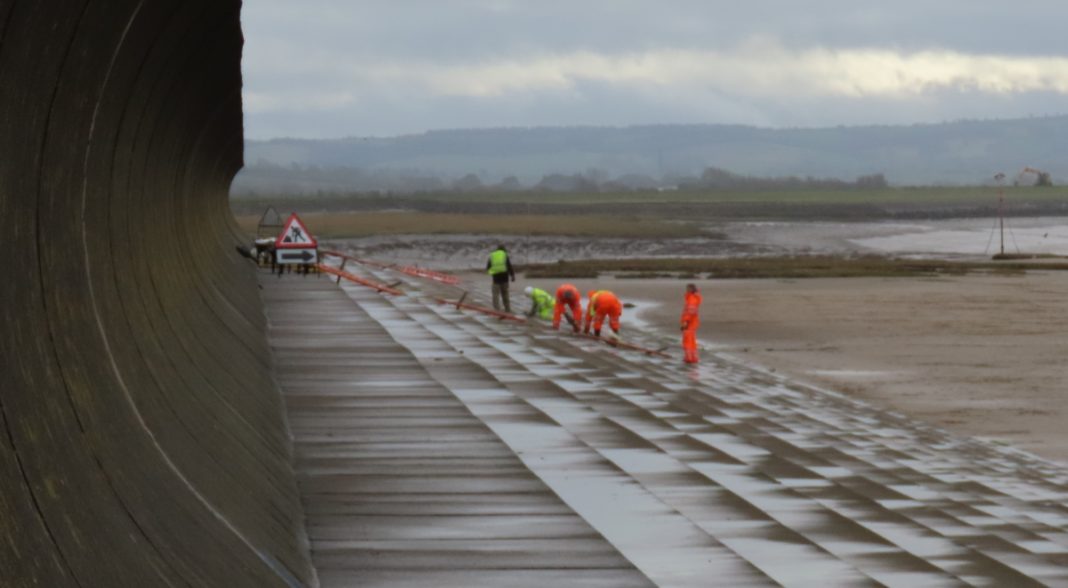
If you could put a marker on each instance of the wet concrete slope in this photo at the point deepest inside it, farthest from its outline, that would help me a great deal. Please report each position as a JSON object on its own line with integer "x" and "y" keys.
{"x": 728, "y": 475}
{"x": 142, "y": 441}
{"x": 402, "y": 484}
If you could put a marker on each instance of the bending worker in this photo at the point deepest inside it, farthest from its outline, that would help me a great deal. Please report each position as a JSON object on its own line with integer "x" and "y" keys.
{"x": 568, "y": 299}
{"x": 689, "y": 323}
{"x": 602, "y": 303}
{"x": 500, "y": 269}
{"x": 541, "y": 302}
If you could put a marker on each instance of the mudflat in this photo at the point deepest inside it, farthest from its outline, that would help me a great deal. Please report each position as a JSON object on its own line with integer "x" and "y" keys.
{"x": 980, "y": 355}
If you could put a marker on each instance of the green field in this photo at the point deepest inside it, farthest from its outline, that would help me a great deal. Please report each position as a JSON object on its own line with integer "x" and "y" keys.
{"x": 707, "y": 205}
{"x": 883, "y": 196}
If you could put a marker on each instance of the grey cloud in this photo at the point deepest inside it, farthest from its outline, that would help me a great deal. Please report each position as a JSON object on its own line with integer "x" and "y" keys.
{"x": 595, "y": 104}
{"x": 473, "y": 29}
{"x": 301, "y": 55}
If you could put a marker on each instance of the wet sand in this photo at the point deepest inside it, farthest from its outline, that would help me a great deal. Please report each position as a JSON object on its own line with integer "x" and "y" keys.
{"x": 959, "y": 239}
{"x": 979, "y": 355}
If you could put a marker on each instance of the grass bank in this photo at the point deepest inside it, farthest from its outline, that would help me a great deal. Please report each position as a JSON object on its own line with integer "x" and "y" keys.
{"x": 920, "y": 195}
{"x": 780, "y": 267}
{"x": 366, "y": 224}
{"x": 887, "y": 203}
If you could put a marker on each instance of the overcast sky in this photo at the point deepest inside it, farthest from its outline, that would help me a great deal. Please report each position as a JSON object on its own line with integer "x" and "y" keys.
{"x": 350, "y": 68}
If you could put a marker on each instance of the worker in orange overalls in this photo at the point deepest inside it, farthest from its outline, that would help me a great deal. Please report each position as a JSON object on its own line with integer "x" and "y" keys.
{"x": 689, "y": 323}
{"x": 568, "y": 298}
{"x": 602, "y": 303}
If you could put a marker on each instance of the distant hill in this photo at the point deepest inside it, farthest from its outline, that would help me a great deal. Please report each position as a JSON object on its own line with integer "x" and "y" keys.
{"x": 962, "y": 152}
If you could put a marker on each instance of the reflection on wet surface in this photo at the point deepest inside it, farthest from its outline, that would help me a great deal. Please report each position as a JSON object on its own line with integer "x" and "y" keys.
{"x": 722, "y": 474}
{"x": 401, "y": 484}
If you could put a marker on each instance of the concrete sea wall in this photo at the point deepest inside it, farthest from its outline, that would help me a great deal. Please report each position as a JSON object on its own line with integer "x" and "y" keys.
{"x": 142, "y": 438}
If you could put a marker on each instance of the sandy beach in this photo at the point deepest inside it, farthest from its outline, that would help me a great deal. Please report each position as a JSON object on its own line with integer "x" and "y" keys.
{"x": 979, "y": 355}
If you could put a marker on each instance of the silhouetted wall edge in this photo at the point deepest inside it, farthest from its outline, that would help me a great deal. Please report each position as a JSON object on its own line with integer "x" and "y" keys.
{"x": 142, "y": 439}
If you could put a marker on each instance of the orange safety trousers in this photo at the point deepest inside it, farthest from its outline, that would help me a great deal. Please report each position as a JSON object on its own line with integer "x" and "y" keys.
{"x": 689, "y": 342}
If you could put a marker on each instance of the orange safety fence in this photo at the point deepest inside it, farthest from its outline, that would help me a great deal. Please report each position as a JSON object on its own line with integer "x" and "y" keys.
{"x": 625, "y": 345}
{"x": 483, "y": 310}
{"x": 438, "y": 276}
{"x": 421, "y": 272}
{"x": 358, "y": 280}
{"x": 358, "y": 260}
{"x": 519, "y": 319}
{"x": 410, "y": 270}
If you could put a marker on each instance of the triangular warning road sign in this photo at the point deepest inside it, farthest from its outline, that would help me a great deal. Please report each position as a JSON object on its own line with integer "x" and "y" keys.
{"x": 295, "y": 235}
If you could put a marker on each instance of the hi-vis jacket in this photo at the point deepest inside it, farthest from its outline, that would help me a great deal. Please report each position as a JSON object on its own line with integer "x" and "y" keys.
{"x": 543, "y": 303}
{"x": 690, "y": 318}
{"x": 498, "y": 262}
{"x": 562, "y": 306}
{"x": 602, "y": 303}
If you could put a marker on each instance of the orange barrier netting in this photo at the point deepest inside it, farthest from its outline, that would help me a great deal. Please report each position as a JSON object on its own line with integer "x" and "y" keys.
{"x": 359, "y": 280}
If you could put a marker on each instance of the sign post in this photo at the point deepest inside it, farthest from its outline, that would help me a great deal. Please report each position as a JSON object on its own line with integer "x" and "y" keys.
{"x": 295, "y": 244}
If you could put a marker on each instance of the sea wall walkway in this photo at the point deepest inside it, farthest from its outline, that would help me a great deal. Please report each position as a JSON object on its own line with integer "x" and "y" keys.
{"x": 403, "y": 485}
{"x": 723, "y": 475}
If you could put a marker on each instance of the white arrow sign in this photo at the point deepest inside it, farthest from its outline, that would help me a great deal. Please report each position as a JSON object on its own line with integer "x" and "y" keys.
{"x": 290, "y": 256}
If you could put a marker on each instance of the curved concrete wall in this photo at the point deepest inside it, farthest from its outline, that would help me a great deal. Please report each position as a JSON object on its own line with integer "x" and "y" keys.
{"x": 142, "y": 441}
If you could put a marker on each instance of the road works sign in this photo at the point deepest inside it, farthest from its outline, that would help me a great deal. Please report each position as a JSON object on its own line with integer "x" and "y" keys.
{"x": 295, "y": 244}
{"x": 295, "y": 235}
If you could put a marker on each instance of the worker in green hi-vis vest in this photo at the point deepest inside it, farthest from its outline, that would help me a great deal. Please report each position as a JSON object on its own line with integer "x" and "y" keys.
{"x": 541, "y": 303}
{"x": 500, "y": 269}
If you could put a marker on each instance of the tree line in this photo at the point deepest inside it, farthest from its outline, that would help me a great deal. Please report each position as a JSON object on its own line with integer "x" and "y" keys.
{"x": 267, "y": 178}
